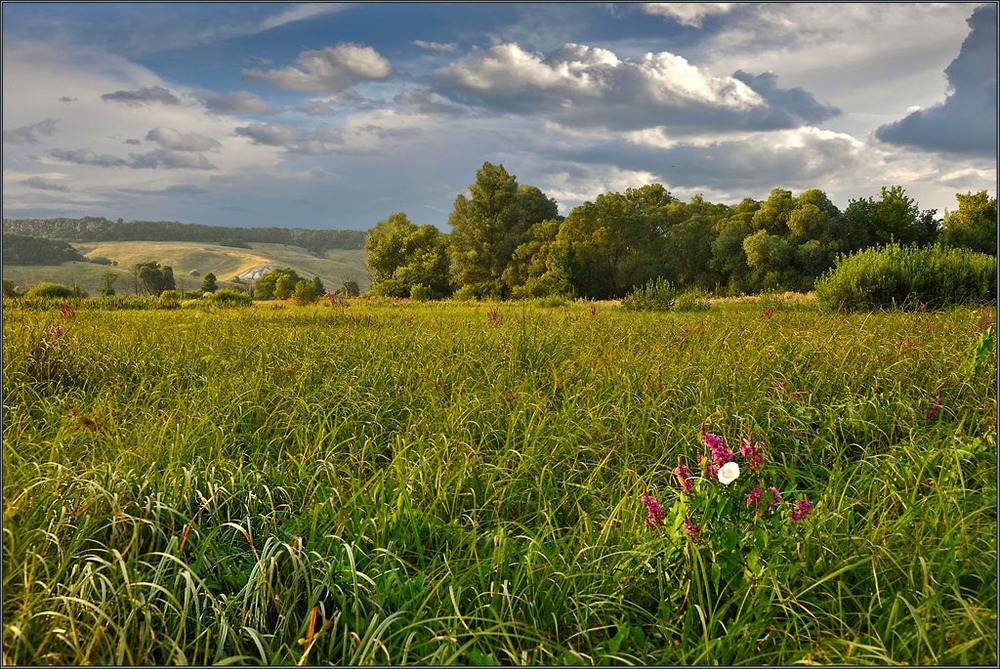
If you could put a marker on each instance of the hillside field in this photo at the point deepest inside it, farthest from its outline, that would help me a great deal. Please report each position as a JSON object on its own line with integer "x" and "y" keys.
{"x": 225, "y": 262}
{"x": 391, "y": 482}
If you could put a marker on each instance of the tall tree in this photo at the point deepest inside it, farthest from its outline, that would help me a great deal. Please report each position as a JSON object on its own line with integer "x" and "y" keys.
{"x": 402, "y": 255}
{"x": 489, "y": 226}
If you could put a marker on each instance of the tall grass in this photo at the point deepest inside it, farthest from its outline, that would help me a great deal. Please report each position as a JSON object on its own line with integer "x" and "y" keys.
{"x": 396, "y": 483}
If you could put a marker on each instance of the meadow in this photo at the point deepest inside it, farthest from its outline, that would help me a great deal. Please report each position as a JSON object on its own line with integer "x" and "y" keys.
{"x": 390, "y": 482}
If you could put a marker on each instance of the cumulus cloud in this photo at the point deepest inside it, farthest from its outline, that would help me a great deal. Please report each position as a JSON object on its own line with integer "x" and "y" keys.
{"x": 143, "y": 96}
{"x": 966, "y": 122}
{"x": 330, "y": 69}
{"x": 181, "y": 141}
{"x": 240, "y": 102}
{"x": 588, "y": 86}
{"x": 687, "y": 13}
{"x": 29, "y": 134}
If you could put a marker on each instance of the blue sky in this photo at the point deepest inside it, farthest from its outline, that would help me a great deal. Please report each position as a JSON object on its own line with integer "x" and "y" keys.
{"x": 336, "y": 115}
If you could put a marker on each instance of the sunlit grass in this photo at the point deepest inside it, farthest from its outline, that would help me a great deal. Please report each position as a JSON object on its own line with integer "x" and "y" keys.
{"x": 398, "y": 483}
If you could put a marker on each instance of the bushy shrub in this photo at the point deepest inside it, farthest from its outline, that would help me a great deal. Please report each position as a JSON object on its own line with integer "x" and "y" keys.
{"x": 170, "y": 299}
{"x": 420, "y": 293}
{"x": 693, "y": 300}
{"x": 227, "y": 297}
{"x": 465, "y": 294}
{"x": 908, "y": 277}
{"x": 656, "y": 295}
{"x": 50, "y": 290}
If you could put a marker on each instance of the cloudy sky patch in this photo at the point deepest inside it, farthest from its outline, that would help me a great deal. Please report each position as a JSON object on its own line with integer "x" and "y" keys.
{"x": 337, "y": 115}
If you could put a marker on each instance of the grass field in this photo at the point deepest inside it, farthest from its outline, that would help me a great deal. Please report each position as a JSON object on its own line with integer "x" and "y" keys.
{"x": 224, "y": 261}
{"x": 446, "y": 483}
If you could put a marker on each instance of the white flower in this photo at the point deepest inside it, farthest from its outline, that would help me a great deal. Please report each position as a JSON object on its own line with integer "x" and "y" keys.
{"x": 728, "y": 473}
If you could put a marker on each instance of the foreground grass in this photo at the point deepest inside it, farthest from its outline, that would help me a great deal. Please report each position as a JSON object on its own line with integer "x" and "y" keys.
{"x": 400, "y": 483}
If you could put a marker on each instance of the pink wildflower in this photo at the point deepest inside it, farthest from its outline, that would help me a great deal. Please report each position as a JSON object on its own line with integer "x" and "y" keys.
{"x": 66, "y": 311}
{"x": 684, "y": 476}
{"x": 774, "y": 500}
{"x": 654, "y": 511}
{"x": 753, "y": 453}
{"x": 720, "y": 454}
{"x": 932, "y": 413}
{"x": 693, "y": 529}
{"x": 708, "y": 467}
{"x": 753, "y": 499}
{"x": 802, "y": 509}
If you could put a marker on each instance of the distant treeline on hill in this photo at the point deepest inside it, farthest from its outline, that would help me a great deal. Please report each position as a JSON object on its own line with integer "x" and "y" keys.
{"x": 100, "y": 229}
{"x": 25, "y": 250}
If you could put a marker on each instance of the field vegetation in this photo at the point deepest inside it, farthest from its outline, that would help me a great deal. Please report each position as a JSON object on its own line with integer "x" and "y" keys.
{"x": 390, "y": 481}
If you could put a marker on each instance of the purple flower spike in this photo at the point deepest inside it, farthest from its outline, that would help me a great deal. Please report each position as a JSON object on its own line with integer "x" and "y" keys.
{"x": 753, "y": 453}
{"x": 802, "y": 508}
{"x": 720, "y": 454}
{"x": 654, "y": 511}
{"x": 775, "y": 500}
{"x": 693, "y": 529}
{"x": 932, "y": 413}
{"x": 684, "y": 476}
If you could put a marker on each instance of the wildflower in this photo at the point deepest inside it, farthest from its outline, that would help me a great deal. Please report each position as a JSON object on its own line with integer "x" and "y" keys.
{"x": 66, "y": 311}
{"x": 654, "y": 511}
{"x": 932, "y": 413}
{"x": 684, "y": 476}
{"x": 728, "y": 473}
{"x": 593, "y": 311}
{"x": 693, "y": 529}
{"x": 753, "y": 499}
{"x": 708, "y": 467}
{"x": 775, "y": 500}
{"x": 768, "y": 312}
{"x": 494, "y": 317}
{"x": 753, "y": 453}
{"x": 802, "y": 508}
{"x": 720, "y": 454}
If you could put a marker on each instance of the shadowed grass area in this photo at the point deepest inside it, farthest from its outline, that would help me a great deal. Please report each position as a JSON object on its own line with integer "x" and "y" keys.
{"x": 398, "y": 483}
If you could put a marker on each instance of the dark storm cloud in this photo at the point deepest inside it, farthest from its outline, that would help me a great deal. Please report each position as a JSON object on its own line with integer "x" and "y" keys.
{"x": 143, "y": 96}
{"x": 966, "y": 122}
{"x": 29, "y": 134}
{"x": 786, "y": 107}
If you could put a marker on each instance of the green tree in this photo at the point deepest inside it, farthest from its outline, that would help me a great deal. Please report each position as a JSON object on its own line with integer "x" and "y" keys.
{"x": 304, "y": 293}
{"x": 974, "y": 225}
{"x": 318, "y": 286}
{"x": 266, "y": 287}
{"x": 108, "y": 280}
{"x": 209, "y": 283}
{"x": 402, "y": 255}
{"x": 153, "y": 278}
{"x": 489, "y": 226}
{"x": 894, "y": 217}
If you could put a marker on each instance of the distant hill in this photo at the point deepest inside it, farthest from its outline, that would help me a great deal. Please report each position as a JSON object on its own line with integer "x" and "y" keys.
{"x": 100, "y": 229}
{"x": 191, "y": 261}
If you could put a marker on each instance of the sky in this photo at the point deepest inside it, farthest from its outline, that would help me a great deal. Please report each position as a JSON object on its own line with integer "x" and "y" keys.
{"x": 336, "y": 115}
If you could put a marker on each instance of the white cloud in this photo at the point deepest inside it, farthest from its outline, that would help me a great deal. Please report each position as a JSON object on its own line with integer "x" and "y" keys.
{"x": 687, "y": 13}
{"x": 327, "y": 70}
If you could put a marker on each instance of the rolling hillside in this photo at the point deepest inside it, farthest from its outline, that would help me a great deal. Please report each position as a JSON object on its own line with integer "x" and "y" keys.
{"x": 225, "y": 262}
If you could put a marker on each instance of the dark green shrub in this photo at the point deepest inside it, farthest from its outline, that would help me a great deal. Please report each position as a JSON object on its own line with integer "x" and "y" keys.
{"x": 693, "y": 300}
{"x": 656, "y": 295}
{"x": 227, "y": 297}
{"x": 909, "y": 277}
{"x": 50, "y": 290}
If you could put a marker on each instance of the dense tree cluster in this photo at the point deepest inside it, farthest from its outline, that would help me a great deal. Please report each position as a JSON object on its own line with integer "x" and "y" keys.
{"x": 508, "y": 239}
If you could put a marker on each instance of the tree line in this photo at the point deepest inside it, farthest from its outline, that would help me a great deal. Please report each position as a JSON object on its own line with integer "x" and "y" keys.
{"x": 100, "y": 229}
{"x": 508, "y": 240}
